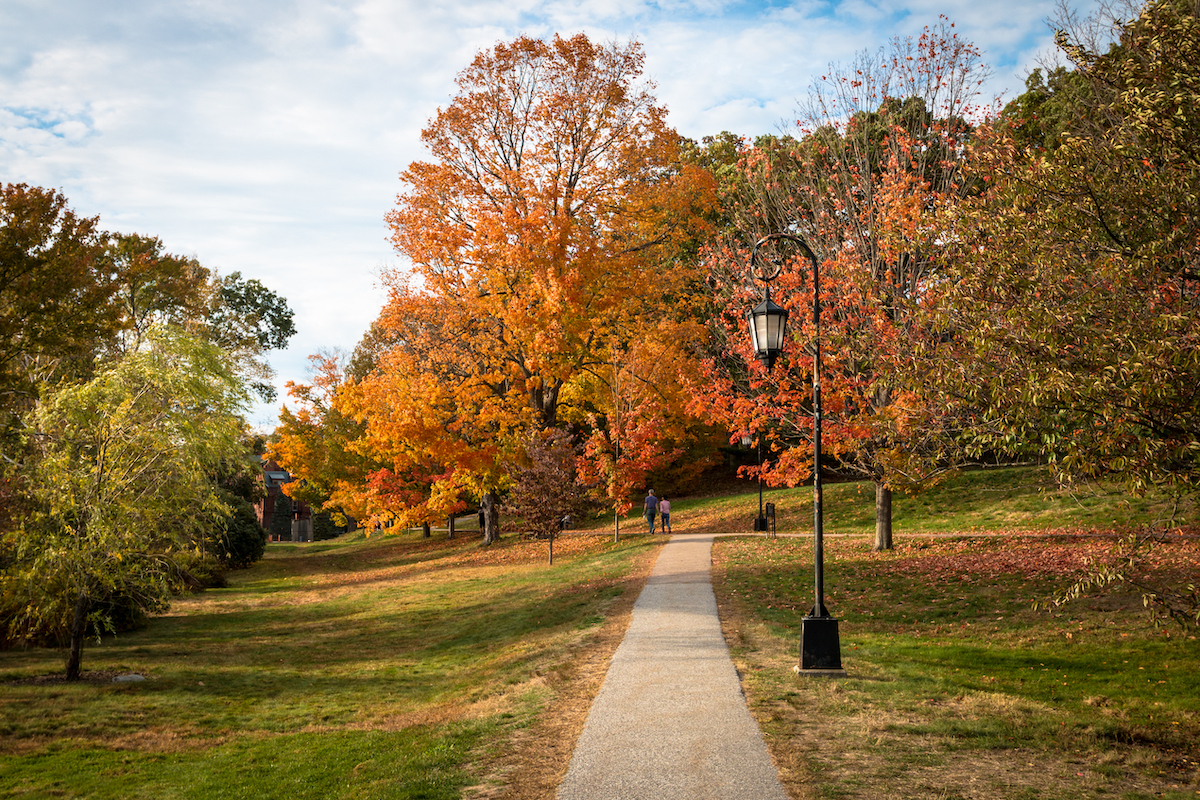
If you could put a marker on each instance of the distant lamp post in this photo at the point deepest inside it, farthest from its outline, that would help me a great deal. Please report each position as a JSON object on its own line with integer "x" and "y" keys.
{"x": 820, "y": 649}
{"x": 760, "y": 522}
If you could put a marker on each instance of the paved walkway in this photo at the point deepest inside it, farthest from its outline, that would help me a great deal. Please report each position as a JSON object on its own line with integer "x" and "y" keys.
{"x": 670, "y": 721}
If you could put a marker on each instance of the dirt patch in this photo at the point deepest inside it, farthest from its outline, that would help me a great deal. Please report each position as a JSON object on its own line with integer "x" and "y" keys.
{"x": 536, "y": 758}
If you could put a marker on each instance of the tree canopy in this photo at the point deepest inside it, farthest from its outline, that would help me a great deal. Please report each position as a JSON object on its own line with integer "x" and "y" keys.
{"x": 554, "y": 219}
{"x": 868, "y": 183}
{"x": 123, "y": 371}
{"x": 999, "y": 282}
{"x": 1075, "y": 297}
{"x": 55, "y": 292}
{"x": 121, "y": 486}
{"x": 1070, "y": 314}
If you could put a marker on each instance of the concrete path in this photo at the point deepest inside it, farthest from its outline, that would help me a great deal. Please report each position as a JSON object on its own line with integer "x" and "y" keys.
{"x": 670, "y": 721}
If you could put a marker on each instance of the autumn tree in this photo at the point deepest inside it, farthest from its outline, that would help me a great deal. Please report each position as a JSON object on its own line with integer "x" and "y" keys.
{"x": 154, "y": 287}
{"x": 242, "y": 317}
{"x": 1073, "y": 313}
{"x": 635, "y": 411}
{"x": 72, "y": 295}
{"x": 314, "y": 443}
{"x": 555, "y": 211}
{"x": 89, "y": 318}
{"x": 122, "y": 488}
{"x": 55, "y": 304}
{"x": 1077, "y": 293}
{"x": 545, "y": 485}
{"x": 868, "y": 181}
{"x": 55, "y": 293}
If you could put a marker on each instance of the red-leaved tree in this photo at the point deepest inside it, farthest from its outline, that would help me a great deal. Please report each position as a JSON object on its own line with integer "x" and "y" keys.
{"x": 867, "y": 183}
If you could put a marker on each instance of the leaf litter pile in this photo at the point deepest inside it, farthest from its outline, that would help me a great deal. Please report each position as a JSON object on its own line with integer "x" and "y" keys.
{"x": 1040, "y": 554}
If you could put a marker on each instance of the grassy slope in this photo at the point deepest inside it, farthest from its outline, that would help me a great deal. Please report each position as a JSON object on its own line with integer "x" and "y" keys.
{"x": 391, "y": 667}
{"x": 399, "y": 667}
{"x": 957, "y": 687}
{"x": 1014, "y": 498}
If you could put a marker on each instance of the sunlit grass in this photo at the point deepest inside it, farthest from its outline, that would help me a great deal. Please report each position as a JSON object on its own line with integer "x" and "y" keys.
{"x": 954, "y": 679}
{"x": 398, "y": 666}
{"x": 387, "y": 667}
{"x": 1009, "y": 498}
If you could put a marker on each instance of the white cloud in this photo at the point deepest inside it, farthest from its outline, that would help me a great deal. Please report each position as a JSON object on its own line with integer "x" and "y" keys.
{"x": 265, "y": 137}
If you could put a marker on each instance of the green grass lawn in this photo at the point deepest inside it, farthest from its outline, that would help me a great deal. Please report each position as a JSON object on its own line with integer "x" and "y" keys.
{"x": 957, "y": 687}
{"x": 384, "y": 668}
{"x": 402, "y": 667}
{"x": 1011, "y": 498}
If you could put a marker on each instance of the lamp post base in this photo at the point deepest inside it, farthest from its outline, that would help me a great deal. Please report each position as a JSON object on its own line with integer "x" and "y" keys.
{"x": 820, "y": 649}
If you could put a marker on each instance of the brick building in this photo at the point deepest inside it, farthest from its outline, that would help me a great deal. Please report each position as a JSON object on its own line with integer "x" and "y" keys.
{"x": 274, "y": 477}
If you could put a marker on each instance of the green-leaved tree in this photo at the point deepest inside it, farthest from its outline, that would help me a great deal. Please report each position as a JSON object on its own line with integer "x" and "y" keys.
{"x": 120, "y": 478}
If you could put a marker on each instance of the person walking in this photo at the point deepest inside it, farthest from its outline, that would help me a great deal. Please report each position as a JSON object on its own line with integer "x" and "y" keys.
{"x": 651, "y": 508}
{"x": 664, "y": 510}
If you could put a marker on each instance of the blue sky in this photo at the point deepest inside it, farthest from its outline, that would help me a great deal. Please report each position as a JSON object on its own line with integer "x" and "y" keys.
{"x": 266, "y": 137}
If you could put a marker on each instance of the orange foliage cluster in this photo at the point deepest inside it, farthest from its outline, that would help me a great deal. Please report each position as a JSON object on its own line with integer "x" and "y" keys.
{"x": 547, "y": 284}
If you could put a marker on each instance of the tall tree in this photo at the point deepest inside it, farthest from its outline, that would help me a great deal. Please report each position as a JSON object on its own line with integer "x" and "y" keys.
{"x": 79, "y": 312}
{"x": 247, "y": 320}
{"x": 243, "y": 317}
{"x": 316, "y": 444}
{"x": 556, "y": 211}
{"x": 875, "y": 169}
{"x": 154, "y": 287}
{"x": 55, "y": 291}
{"x": 54, "y": 306}
{"x": 122, "y": 487}
{"x": 1072, "y": 314}
{"x": 1076, "y": 295}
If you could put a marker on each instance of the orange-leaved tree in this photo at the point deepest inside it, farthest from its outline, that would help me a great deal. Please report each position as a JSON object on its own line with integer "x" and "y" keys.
{"x": 314, "y": 443}
{"x": 635, "y": 412}
{"x": 556, "y": 212}
{"x": 877, "y": 167}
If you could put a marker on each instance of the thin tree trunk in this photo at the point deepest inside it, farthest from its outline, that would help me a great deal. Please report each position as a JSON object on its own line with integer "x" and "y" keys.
{"x": 552, "y": 549}
{"x": 883, "y": 517}
{"x": 450, "y": 527}
{"x": 491, "y": 517}
{"x": 78, "y": 634}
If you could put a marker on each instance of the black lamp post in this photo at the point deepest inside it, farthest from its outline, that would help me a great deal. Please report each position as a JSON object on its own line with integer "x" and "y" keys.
{"x": 760, "y": 522}
{"x": 820, "y": 649}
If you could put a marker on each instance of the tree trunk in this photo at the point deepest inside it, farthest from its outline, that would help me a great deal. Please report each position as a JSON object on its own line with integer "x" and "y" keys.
{"x": 883, "y": 517}
{"x": 491, "y": 517}
{"x": 425, "y": 529}
{"x": 78, "y": 634}
{"x": 450, "y": 527}
{"x": 545, "y": 401}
